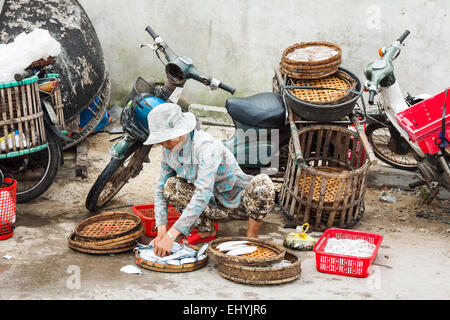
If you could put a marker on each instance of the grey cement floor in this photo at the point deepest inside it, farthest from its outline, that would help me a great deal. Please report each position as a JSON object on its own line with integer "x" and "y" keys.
{"x": 412, "y": 263}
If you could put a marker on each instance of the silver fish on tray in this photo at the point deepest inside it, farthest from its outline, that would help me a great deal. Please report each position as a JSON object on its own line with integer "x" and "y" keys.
{"x": 241, "y": 251}
{"x": 188, "y": 260}
{"x": 174, "y": 262}
{"x": 202, "y": 249}
{"x": 234, "y": 247}
{"x": 228, "y": 244}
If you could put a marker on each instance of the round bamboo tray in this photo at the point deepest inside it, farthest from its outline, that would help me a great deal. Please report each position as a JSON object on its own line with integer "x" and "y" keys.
{"x": 328, "y": 191}
{"x": 267, "y": 253}
{"x": 311, "y": 69}
{"x": 108, "y": 244}
{"x": 166, "y": 268}
{"x": 338, "y": 80}
{"x": 262, "y": 275}
{"x": 107, "y": 225}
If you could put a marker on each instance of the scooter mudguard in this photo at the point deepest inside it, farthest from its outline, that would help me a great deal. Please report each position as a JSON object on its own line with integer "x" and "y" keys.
{"x": 118, "y": 150}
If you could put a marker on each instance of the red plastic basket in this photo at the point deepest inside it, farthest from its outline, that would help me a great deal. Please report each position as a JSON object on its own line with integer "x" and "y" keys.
{"x": 341, "y": 264}
{"x": 147, "y": 214}
{"x": 8, "y": 209}
{"x": 423, "y": 122}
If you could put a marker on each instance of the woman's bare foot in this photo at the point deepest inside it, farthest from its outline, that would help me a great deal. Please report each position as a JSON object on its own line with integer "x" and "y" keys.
{"x": 253, "y": 228}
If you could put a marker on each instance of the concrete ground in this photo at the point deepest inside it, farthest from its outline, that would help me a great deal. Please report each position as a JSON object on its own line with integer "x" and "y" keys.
{"x": 412, "y": 263}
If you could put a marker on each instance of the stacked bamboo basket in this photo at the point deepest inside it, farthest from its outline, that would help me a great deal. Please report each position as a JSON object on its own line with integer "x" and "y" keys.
{"x": 258, "y": 267}
{"x": 326, "y": 177}
{"x": 106, "y": 233}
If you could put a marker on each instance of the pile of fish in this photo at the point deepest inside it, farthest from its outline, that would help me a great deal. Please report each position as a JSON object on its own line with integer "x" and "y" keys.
{"x": 236, "y": 248}
{"x": 350, "y": 247}
{"x": 181, "y": 254}
{"x": 313, "y": 53}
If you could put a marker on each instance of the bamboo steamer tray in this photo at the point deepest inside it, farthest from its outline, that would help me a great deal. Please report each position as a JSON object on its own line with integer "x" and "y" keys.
{"x": 331, "y": 185}
{"x": 262, "y": 275}
{"x": 107, "y": 225}
{"x": 337, "y": 80}
{"x": 267, "y": 252}
{"x": 105, "y": 249}
{"x": 310, "y": 69}
{"x": 107, "y": 244}
{"x": 166, "y": 268}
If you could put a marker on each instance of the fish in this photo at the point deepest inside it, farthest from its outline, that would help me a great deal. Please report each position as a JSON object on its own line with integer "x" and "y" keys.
{"x": 148, "y": 254}
{"x": 188, "y": 260}
{"x": 180, "y": 254}
{"x": 202, "y": 249}
{"x": 234, "y": 247}
{"x": 175, "y": 247}
{"x": 174, "y": 262}
{"x": 227, "y": 244}
{"x": 241, "y": 251}
{"x": 201, "y": 257}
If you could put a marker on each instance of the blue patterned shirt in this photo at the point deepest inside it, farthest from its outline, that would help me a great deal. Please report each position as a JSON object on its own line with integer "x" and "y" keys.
{"x": 207, "y": 164}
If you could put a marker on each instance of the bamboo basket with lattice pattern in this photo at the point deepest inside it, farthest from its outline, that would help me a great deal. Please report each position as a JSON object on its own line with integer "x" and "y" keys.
{"x": 310, "y": 69}
{"x": 269, "y": 275}
{"x": 267, "y": 252}
{"x": 328, "y": 189}
{"x": 108, "y": 225}
{"x": 339, "y": 80}
{"x": 22, "y": 128}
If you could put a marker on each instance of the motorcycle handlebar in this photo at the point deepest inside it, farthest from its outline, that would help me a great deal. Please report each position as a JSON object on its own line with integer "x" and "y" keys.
{"x": 227, "y": 88}
{"x": 403, "y": 36}
{"x": 152, "y": 32}
{"x": 372, "y": 94}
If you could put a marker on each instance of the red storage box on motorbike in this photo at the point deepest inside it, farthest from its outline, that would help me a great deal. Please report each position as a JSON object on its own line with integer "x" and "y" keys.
{"x": 423, "y": 122}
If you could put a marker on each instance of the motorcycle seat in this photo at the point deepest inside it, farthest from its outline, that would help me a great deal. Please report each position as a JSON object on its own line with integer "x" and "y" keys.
{"x": 263, "y": 110}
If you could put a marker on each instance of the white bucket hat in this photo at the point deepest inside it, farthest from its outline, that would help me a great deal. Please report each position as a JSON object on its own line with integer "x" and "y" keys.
{"x": 167, "y": 121}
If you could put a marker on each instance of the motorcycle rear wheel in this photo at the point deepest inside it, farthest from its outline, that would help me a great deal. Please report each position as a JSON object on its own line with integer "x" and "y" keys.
{"x": 34, "y": 172}
{"x": 115, "y": 175}
{"x": 379, "y": 137}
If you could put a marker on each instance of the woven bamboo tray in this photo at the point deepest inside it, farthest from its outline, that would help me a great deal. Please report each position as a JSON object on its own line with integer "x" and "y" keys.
{"x": 107, "y": 225}
{"x": 107, "y": 244}
{"x": 310, "y": 69}
{"x": 262, "y": 275}
{"x": 338, "y": 80}
{"x": 267, "y": 253}
{"x": 166, "y": 268}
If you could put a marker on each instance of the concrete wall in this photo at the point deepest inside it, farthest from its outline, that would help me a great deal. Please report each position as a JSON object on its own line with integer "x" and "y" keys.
{"x": 239, "y": 41}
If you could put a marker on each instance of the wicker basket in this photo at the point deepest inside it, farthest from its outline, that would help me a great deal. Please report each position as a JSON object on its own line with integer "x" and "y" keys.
{"x": 21, "y": 118}
{"x": 267, "y": 253}
{"x": 109, "y": 225}
{"x": 338, "y": 80}
{"x": 105, "y": 247}
{"x": 328, "y": 190}
{"x": 262, "y": 275}
{"x": 311, "y": 69}
{"x": 166, "y": 268}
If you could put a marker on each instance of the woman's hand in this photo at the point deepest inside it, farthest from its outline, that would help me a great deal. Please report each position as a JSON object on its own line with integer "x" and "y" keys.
{"x": 163, "y": 247}
{"x": 162, "y": 230}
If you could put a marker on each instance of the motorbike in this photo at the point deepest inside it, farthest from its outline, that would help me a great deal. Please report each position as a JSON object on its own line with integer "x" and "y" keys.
{"x": 36, "y": 171}
{"x": 391, "y": 142}
{"x": 260, "y": 137}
